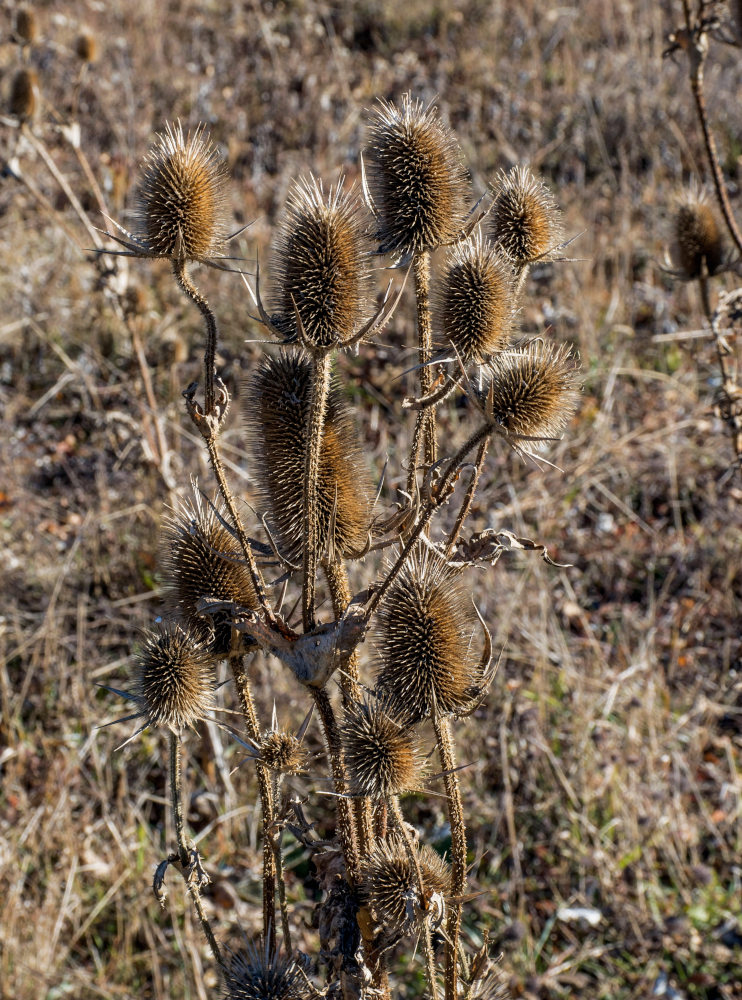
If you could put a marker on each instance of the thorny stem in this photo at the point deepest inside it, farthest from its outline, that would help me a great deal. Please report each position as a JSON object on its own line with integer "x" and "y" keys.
{"x": 425, "y": 430}
{"x": 468, "y": 497}
{"x": 458, "y": 849}
{"x": 188, "y": 288}
{"x": 729, "y": 389}
{"x": 276, "y": 842}
{"x": 310, "y": 520}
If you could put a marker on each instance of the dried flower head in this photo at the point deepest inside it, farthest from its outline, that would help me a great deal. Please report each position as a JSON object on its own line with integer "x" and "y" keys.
{"x": 250, "y": 974}
{"x": 26, "y": 25}
{"x": 282, "y": 752}
{"x": 525, "y": 220}
{"x": 86, "y": 48}
{"x": 380, "y": 748}
{"x": 181, "y": 196}
{"x": 418, "y": 183}
{"x": 424, "y": 639}
{"x": 201, "y": 559}
{"x": 532, "y": 392}
{"x": 491, "y": 987}
{"x": 320, "y": 266}
{"x": 175, "y": 678}
{"x": 698, "y": 244}
{"x": 23, "y": 94}
{"x": 474, "y": 300}
{"x": 389, "y": 884}
{"x": 278, "y": 397}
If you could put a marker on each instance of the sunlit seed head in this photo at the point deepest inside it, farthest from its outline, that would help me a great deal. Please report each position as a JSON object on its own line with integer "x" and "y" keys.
{"x": 277, "y": 405}
{"x": 175, "y": 678}
{"x": 256, "y": 974}
{"x": 698, "y": 244}
{"x": 416, "y": 176}
{"x": 26, "y": 25}
{"x": 24, "y": 94}
{"x": 424, "y": 641}
{"x": 320, "y": 265}
{"x": 381, "y": 749}
{"x": 86, "y": 48}
{"x": 181, "y": 196}
{"x": 532, "y": 392}
{"x": 282, "y": 752}
{"x": 474, "y": 299}
{"x": 525, "y": 221}
{"x": 491, "y": 987}
{"x": 390, "y": 886}
{"x": 202, "y": 559}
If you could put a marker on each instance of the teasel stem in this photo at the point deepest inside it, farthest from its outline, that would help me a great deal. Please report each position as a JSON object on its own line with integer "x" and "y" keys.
{"x": 393, "y": 804}
{"x": 458, "y": 849}
{"x": 276, "y": 841}
{"x": 188, "y": 288}
{"x": 244, "y": 694}
{"x": 728, "y": 389}
{"x": 310, "y": 526}
{"x": 425, "y": 422}
{"x": 468, "y": 497}
{"x": 520, "y": 282}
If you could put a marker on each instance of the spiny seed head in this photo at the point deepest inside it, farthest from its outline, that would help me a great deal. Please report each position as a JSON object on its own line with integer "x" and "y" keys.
{"x": 532, "y": 392}
{"x": 320, "y": 265}
{"x": 525, "y": 221}
{"x": 698, "y": 244}
{"x": 389, "y": 884}
{"x": 175, "y": 678}
{"x": 26, "y": 25}
{"x": 417, "y": 179}
{"x": 278, "y": 398}
{"x": 181, "y": 196}
{"x": 492, "y": 987}
{"x": 282, "y": 752}
{"x": 424, "y": 637}
{"x": 201, "y": 558}
{"x": 86, "y": 48}
{"x": 261, "y": 975}
{"x": 381, "y": 749}
{"x": 474, "y": 300}
{"x": 23, "y": 94}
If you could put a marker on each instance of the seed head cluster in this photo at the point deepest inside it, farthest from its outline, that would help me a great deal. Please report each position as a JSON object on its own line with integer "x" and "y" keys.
{"x": 698, "y": 246}
{"x": 525, "y": 221}
{"x": 417, "y": 179}
{"x": 474, "y": 301}
{"x": 181, "y": 197}
{"x": 278, "y": 398}
{"x": 390, "y": 885}
{"x": 380, "y": 749}
{"x": 175, "y": 678}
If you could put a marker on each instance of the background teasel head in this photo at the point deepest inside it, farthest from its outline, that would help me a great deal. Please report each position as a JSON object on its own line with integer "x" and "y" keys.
{"x": 320, "y": 266}
{"x": 525, "y": 221}
{"x": 531, "y": 392}
{"x": 24, "y": 94}
{"x": 390, "y": 886}
{"x": 200, "y": 558}
{"x": 252, "y": 974}
{"x": 181, "y": 197}
{"x": 278, "y": 397}
{"x": 380, "y": 748}
{"x": 424, "y": 638}
{"x": 175, "y": 682}
{"x": 474, "y": 300}
{"x": 86, "y": 48}
{"x": 418, "y": 184}
{"x": 697, "y": 247}
{"x": 26, "y": 25}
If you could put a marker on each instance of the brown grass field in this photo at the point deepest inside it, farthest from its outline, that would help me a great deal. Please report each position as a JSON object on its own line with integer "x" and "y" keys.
{"x": 606, "y": 764}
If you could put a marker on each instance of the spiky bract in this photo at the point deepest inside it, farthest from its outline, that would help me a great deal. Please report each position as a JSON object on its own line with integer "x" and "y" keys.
{"x": 532, "y": 392}
{"x": 380, "y": 748}
{"x": 320, "y": 265}
{"x": 492, "y": 987}
{"x": 26, "y": 25}
{"x": 474, "y": 301}
{"x": 251, "y": 974}
{"x": 424, "y": 637}
{"x": 389, "y": 884}
{"x": 525, "y": 221}
{"x": 181, "y": 196}
{"x": 282, "y": 752}
{"x": 417, "y": 179}
{"x": 201, "y": 559}
{"x": 175, "y": 678}
{"x": 279, "y": 398}
{"x": 23, "y": 92}
{"x": 698, "y": 244}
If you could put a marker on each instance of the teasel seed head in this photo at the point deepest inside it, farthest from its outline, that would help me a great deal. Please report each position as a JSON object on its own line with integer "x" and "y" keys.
{"x": 320, "y": 266}
{"x": 531, "y": 393}
{"x": 698, "y": 244}
{"x": 250, "y": 974}
{"x": 390, "y": 886}
{"x": 424, "y": 641}
{"x": 525, "y": 221}
{"x": 24, "y": 94}
{"x": 475, "y": 299}
{"x": 201, "y": 558}
{"x": 175, "y": 678}
{"x": 26, "y": 25}
{"x": 86, "y": 48}
{"x": 282, "y": 752}
{"x": 380, "y": 748}
{"x": 418, "y": 184}
{"x": 181, "y": 196}
{"x": 278, "y": 398}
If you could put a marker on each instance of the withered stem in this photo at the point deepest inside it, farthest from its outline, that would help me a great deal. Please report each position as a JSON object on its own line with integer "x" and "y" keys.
{"x": 188, "y": 288}
{"x": 310, "y": 519}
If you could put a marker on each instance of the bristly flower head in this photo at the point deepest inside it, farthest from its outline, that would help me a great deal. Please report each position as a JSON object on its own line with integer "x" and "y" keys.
{"x": 175, "y": 683}
{"x": 525, "y": 220}
{"x": 389, "y": 883}
{"x": 531, "y": 393}
{"x": 320, "y": 266}
{"x": 418, "y": 183}
{"x": 474, "y": 300}
{"x": 26, "y": 25}
{"x": 86, "y": 48}
{"x": 380, "y": 748}
{"x": 698, "y": 244}
{"x": 23, "y": 94}
{"x": 250, "y": 974}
